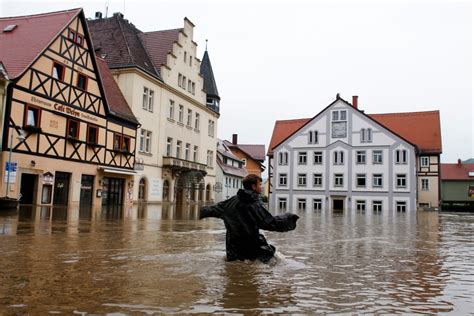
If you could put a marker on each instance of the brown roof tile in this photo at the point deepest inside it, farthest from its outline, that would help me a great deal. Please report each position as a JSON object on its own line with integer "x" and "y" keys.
{"x": 19, "y": 48}
{"x": 159, "y": 44}
{"x": 283, "y": 129}
{"x": 456, "y": 171}
{"x": 256, "y": 152}
{"x": 117, "y": 104}
{"x": 422, "y": 129}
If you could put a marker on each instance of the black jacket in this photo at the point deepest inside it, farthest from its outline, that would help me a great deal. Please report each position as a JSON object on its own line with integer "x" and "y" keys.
{"x": 243, "y": 215}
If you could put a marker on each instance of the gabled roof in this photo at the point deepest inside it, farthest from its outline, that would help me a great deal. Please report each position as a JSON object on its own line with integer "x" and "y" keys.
{"x": 209, "y": 81}
{"x": 118, "y": 106}
{"x": 37, "y": 30}
{"x": 159, "y": 44}
{"x": 256, "y": 152}
{"x": 119, "y": 42}
{"x": 283, "y": 129}
{"x": 421, "y": 129}
{"x": 456, "y": 171}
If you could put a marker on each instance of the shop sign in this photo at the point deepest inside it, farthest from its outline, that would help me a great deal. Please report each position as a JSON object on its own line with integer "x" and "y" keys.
{"x": 10, "y": 167}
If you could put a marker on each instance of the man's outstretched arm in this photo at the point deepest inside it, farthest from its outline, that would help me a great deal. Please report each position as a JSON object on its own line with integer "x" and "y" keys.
{"x": 216, "y": 210}
{"x": 279, "y": 223}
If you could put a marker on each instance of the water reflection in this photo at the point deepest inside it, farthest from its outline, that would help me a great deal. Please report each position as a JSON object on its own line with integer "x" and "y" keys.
{"x": 160, "y": 259}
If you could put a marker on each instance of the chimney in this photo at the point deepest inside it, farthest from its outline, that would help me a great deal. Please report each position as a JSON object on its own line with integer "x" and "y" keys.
{"x": 459, "y": 162}
{"x": 98, "y": 15}
{"x": 234, "y": 139}
{"x": 355, "y": 100}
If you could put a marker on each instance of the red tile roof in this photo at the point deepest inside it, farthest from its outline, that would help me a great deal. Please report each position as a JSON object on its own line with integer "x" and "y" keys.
{"x": 117, "y": 104}
{"x": 420, "y": 128}
{"x": 283, "y": 129}
{"x": 19, "y": 48}
{"x": 455, "y": 171}
{"x": 158, "y": 44}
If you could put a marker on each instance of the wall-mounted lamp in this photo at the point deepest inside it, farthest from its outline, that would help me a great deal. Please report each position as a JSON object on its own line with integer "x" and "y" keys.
{"x": 33, "y": 163}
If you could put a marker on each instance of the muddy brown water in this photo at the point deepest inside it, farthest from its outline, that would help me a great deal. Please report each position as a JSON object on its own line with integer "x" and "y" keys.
{"x": 158, "y": 260}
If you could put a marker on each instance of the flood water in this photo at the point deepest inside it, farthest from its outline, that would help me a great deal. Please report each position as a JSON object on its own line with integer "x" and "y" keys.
{"x": 155, "y": 259}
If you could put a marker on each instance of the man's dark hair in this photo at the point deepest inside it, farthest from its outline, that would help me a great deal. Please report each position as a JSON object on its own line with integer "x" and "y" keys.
{"x": 250, "y": 180}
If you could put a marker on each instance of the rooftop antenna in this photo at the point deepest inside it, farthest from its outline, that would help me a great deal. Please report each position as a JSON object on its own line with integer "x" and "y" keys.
{"x": 106, "y": 8}
{"x": 206, "y": 44}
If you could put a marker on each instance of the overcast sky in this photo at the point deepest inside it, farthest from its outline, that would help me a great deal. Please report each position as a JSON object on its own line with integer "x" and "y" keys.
{"x": 278, "y": 60}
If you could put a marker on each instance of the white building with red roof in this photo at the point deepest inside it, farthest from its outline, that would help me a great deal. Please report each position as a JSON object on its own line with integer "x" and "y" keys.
{"x": 343, "y": 159}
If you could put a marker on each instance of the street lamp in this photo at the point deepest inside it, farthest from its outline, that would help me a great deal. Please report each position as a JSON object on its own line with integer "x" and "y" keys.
{"x": 21, "y": 138}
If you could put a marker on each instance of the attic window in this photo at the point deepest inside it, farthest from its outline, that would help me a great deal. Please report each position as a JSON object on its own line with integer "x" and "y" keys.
{"x": 9, "y": 28}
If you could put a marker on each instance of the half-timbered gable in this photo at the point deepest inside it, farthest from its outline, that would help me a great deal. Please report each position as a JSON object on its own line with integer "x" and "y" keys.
{"x": 63, "y": 100}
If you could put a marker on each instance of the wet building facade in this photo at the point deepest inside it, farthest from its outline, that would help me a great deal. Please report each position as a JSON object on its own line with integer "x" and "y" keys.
{"x": 70, "y": 132}
{"x": 165, "y": 84}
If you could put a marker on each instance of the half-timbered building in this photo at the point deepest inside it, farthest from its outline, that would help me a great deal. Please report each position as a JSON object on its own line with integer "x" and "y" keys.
{"x": 69, "y": 128}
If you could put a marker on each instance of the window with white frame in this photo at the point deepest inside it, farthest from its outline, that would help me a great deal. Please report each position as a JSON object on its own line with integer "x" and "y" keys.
{"x": 302, "y": 157}
{"x": 301, "y": 179}
{"x": 210, "y": 128}
{"x": 401, "y": 206}
{"x": 148, "y": 96}
{"x": 180, "y": 77}
{"x": 195, "y": 153}
{"x": 401, "y": 180}
{"x": 180, "y": 113}
{"x": 360, "y": 205}
{"x": 368, "y": 139}
{"x": 361, "y": 180}
{"x": 362, "y": 135}
{"x": 197, "y": 117}
{"x": 339, "y": 124}
{"x": 317, "y": 204}
{"x": 187, "y": 151}
{"x": 425, "y": 185}
{"x": 282, "y": 204}
{"x": 424, "y": 161}
{"x": 377, "y": 157}
{"x": 338, "y": 180}
{"x": 318, "y": 158}
{"x": 190, "y": 117}
{"x": 313, "y": 137}
{"x": 169, "y": 146}
{"x": 401, "y": 156}
{"x": 145, "y": 141}
{"x": 171, "y": 110}
{"x": 301, "y": 204}
{"x": 360, "y": 159}
{"x": 338, "y": 157}
{"x": 377, "y": 180}
{"x": 178, "y": 148}
{"x": 377, "y": 206}
{"x": 210, "y": 156}
{"x": 183, "y": 83}
{"x": 189, "y": 85}
{"x": 283, "y": 179}
{"x": 317, "y": 180}
{"x": 283, "y": 159}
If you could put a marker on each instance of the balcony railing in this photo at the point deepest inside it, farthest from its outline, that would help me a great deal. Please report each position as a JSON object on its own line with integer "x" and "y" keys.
{"x": 181, "y": 164}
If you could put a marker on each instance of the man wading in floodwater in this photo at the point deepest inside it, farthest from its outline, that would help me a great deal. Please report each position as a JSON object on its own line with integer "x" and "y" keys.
{"x": 243, "y": 215}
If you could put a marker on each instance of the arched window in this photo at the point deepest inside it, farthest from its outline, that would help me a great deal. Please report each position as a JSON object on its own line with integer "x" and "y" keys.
{"x": 166, "y": 191}
{"x": 142, "y": 190}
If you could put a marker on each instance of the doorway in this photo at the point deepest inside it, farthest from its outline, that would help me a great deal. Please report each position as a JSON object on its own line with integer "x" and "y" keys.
{"x": 28, "y": 186}
{"x": 61, "y": 188}
{"x": 112, "y": 191}
{"x": 338, "y": 205}
{"x": 87, "y": 189}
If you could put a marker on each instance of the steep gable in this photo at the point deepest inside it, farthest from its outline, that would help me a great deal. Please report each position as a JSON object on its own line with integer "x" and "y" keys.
{"x": 32, "y": 34}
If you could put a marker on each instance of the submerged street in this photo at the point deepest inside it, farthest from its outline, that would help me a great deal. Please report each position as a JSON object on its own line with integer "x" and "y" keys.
{"x": 156, "y": 259}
